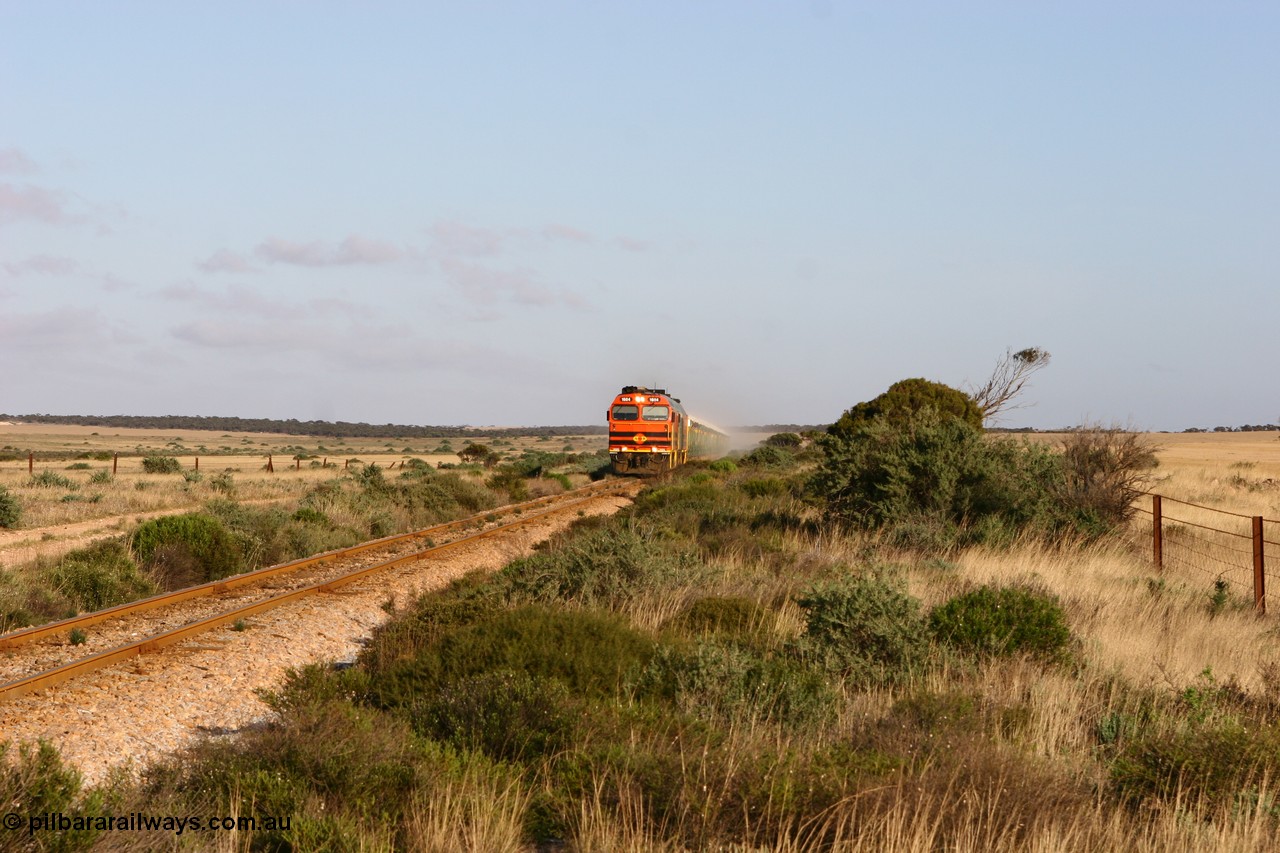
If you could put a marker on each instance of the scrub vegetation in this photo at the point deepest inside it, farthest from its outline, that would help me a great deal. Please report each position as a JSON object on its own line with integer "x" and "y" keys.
{"x": 786, "y": 652}
{"x": 225, "y": 536}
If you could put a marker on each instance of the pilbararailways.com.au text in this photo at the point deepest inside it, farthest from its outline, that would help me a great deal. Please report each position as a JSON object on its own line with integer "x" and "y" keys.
{"x": 137, "y": 822}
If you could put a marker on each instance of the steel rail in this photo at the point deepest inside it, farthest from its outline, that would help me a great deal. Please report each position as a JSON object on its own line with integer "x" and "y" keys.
{"x": 155, "y": 642}
{"x": 164, "y": 599}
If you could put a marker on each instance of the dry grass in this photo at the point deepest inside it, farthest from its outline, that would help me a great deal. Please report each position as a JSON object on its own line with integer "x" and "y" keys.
{"x": 243, "y": 455}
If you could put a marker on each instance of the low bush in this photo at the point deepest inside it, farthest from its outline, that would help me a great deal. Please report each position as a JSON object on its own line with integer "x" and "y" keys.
{"x": 10, "y": 509}
{"x": 768, "y": 456}
{"x": 35, "y": 782}
{"x": 1219, "y": 766}
{"x": 99, "y": 576}
{"x": 160, "y": 465}
{"x": 866, "y": 629}
{"x": 181, "y": 550}
{"x": 731, "y": 683}
{"x": 507, "y": 715}
{"x": 734, "y": 617}
{"x": 590, "y": 652}
{"x": 51, "y": 480}
{"x": 1003, "y": 621}
{"x": 602, "y": 567}
{"x": 764, "y": 487}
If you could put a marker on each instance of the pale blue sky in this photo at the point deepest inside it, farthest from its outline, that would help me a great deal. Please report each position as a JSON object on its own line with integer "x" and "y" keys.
{"x": 500, "y": 212}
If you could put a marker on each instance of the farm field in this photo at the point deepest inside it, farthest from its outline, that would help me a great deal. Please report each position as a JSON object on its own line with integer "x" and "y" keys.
{"x": 73, "y": 496}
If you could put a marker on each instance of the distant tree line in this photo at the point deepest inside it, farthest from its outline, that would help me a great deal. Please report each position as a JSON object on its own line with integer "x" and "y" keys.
{"x": 1245, "y": 428}
{"x": 292, "y": 426}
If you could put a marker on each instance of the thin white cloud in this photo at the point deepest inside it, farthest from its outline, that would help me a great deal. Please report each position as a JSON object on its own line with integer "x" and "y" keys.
{"x": 225, "y": 260}
{"x": 453, "y": 239}
{"x": 15, "y": 162}
{"x": 65, "y": 329}
{"x": 633, "y": 245}
{"x": 488, "y": 286}
{"x": 239, "y": 334}
{"x": 353, "y": 250}
{"x": 42, "y": 265}
{"x": 243, "y": 301}
{"x": 27, "y": 202}
{"x": 567, "y": 232}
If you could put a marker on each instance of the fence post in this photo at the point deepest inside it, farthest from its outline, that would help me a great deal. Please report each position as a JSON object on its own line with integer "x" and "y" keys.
{"x": 297, "y": 464}
{"x": 197, "y": 463}
{"x": 1259, "y": 570}
{"x": 1157, "y": 533}
{"x": 271, "y": 469}
{"x": 115, "y": 463}
{"x": 31, "y": 462}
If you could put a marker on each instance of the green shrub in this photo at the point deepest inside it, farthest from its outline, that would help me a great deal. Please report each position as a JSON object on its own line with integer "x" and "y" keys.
{"x": 34, "y": 781}
{"x": 223, "y": 483}
{"x": 160, "y": 465}
{"x": 507, "y": 715}
{"x": 589, "y": 652}
{"x": 180, "y": 550}
{"x": 906, "y": 399}
{"x": 307, "y": 515}
{"x": 79, "y": 466}
{"x": 715, "y": 681}
{"x": 938, "y": 472}
{"x": 601, "y": 567}
{"x": 10, "y": 509}
{"x": 51, "y": 480}
{"x": 784, "y": 439}
{"x": 101, "y": 477}
{"x": 1219, "y": 766}
{"x": 768, "y": 456}
{"x": 733, "y": 616}
{"x": 723, "y": 466}
{"x": 1003, "y": 621}
{"x": 866, "y": 629}
{"x": 764, "y": 487}
{"x": 99, "y": 576}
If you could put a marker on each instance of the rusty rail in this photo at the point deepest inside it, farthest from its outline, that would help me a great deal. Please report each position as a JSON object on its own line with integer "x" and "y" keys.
{"x": 155, "y": 642}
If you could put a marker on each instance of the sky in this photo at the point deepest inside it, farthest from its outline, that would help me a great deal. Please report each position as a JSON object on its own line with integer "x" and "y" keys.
{"x": 498, "y": 213}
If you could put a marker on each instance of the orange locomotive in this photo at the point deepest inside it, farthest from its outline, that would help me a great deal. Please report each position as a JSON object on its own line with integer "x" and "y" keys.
{"x": 650, "y": 432}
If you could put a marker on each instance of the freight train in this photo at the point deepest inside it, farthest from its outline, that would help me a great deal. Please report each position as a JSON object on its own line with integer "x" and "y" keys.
{"x": 650, "y": 432}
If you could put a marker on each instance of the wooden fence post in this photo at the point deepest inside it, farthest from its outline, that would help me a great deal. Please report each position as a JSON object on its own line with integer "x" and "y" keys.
{"x": 115, "y": 463}
{"x": 297, "y": 464}
{"x": 1259, "y": 569}
{"x": 271, "y": 469}
{"x": 31, "y": 462}
{"x": 1157, "y": 533}
{"x": 197, "y": 463}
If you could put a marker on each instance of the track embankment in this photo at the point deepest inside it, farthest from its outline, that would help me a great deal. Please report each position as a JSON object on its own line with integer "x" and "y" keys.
{"x": 132, "y": 712}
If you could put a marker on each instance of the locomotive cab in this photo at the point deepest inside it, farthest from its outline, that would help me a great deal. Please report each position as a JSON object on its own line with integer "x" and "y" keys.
{"x": 648, "y": 431}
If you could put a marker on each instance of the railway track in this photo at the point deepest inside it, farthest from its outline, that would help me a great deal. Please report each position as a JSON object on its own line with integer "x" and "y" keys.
{"x": 35, "y": 659}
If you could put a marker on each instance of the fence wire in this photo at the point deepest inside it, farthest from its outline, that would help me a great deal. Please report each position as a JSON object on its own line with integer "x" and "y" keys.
{"x": 1219, "y": 553}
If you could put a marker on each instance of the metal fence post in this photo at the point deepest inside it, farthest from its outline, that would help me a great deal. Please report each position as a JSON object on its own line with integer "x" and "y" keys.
{"x": 1259, "y": 569}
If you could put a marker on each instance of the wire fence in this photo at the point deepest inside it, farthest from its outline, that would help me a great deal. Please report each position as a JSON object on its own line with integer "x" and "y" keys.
{"x": 1229, "y": 548}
